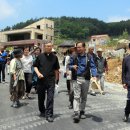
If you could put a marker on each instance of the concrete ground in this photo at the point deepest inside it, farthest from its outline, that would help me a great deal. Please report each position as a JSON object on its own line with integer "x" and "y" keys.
{"x": 104, "y": 112}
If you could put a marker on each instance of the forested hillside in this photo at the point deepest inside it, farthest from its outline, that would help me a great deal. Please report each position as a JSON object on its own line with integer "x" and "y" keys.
{"x": 80, "y": 28}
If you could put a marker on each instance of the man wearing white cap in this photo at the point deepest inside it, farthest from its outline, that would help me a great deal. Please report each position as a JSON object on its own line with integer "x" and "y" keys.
{"x": 102, "y": 67}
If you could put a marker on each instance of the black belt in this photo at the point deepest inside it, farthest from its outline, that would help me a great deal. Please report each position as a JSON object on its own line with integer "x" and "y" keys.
{"x": 80, "y": 75}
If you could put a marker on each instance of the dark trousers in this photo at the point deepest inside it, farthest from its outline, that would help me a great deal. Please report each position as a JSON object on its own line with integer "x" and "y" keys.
{"x": 71, "y": 91}
{"x": 28, "y": 82}
{"x": 46, "y": 85}
{"x": 71, "y": 97}
{"x": 68, "y": 85}
{"x": 2, "y": 70}
{"x": 34, "y": 80}
{"x": 127, "y": 108}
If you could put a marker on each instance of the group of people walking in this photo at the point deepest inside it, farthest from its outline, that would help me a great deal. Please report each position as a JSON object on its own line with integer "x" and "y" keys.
{"x": 83, "y": 67}
{"x": 86, "y": 66}
{"x": 33, "y": 68}
{"x": 42, "y": 70}
{"x": 22, "y": 74}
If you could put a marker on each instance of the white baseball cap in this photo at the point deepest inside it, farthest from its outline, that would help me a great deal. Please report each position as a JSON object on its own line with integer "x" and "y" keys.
{"x": 100, "y": 49}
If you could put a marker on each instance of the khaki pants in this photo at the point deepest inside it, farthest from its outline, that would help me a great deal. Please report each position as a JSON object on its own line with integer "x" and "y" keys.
{"x": 80, "y": 87}
{"x": 100, "y": 79}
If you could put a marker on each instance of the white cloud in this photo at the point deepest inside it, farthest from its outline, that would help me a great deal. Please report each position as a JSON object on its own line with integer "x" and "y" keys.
{"x": 117, "y": 18}
{"x": 6, "y": 9}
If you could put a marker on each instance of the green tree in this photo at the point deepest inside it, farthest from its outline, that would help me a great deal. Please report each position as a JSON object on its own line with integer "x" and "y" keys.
{"x": 81, "y": 28}
{"x": 7, "y": 28}
{"x": 125, "y": 34}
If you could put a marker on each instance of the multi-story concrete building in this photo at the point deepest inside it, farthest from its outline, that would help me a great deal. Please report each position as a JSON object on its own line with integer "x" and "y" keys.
{"x": 42, "y": 30}
{"x": 100, "y": 39}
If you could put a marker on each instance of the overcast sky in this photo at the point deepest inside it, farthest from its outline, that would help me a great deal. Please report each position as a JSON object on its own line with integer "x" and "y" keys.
{"x": 14, "y": 11}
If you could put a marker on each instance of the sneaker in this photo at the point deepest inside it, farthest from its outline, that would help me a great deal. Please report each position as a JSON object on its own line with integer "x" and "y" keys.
{"x": 12, "y": 104}
{"x": 28, "y": 97}
{"x": 18, "y": 103}
{"x": 76, "y": 117}
{"x": 23, "y": 97}
{"x": 50, "y": 119}
{"x": 126, "y": 118}
{"x": 15, "y": 105}
{"x": 3, "y": 82}
{"x": 93, "y": 93}
{"x": 82, "y": 115}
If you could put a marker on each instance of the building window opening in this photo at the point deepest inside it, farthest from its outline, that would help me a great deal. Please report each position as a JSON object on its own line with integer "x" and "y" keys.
{"x": 17, "y": 37}
{"x": 38, "y": 27}
{"x": 39, "y": 37}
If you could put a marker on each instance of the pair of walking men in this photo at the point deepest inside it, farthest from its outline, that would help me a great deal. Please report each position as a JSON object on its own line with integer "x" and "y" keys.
{"x": 83, "y": 66}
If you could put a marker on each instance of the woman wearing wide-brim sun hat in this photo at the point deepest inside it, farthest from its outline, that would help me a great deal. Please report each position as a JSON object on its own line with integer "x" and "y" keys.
{"x": 17, "y": 84}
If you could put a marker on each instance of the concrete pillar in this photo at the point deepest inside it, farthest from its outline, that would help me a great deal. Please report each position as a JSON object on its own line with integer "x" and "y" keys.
{"x": 33, "y": 35}
{"x": 5, "y": 38}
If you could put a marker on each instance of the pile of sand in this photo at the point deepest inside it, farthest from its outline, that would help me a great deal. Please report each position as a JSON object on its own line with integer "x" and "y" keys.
{"x": 114, "y": 70}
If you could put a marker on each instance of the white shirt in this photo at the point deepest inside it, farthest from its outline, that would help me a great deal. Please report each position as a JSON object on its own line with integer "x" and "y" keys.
{"x": 69, "y": 74}
{"x": 67, "y": 60}
{"x": 27, "y": 63}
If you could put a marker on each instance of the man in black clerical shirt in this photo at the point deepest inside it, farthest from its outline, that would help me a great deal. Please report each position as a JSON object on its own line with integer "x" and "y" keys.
{"x": 46, "y": 67}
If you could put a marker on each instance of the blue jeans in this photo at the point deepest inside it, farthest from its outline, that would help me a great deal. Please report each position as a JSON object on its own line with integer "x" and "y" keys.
{"x": 2, "y": 70}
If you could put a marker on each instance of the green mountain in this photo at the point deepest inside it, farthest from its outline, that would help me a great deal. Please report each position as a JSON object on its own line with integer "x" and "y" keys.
{"x": 79, "y": 28}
